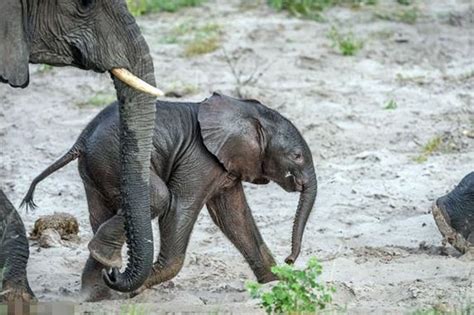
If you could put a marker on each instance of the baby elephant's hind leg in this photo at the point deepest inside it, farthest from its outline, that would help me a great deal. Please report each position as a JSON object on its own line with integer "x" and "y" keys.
{"x": 92, "y": 286}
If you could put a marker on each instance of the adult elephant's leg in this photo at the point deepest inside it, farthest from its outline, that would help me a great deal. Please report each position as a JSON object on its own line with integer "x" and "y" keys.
{"x": 230, "y": 211}
{"x": 14, "y": 253}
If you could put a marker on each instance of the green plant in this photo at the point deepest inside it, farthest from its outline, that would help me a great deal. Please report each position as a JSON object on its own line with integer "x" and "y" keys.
{"x": 347, "y": 44}
{"x": 391, "y": 105}
{"x": 139, "y": 7}
{"x": 297, "y": 290}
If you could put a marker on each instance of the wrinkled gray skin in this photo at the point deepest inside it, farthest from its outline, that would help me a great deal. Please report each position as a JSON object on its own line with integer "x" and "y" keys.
{"x": 201, "y": 154}
{"x": 99, "y": 36}
{"x": 14, "y": 253}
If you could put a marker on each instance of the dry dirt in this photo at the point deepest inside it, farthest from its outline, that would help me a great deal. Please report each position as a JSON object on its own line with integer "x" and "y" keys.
{"x": 372, "y": 227}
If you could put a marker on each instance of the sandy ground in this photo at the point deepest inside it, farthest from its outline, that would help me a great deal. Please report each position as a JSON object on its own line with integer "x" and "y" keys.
{"x": 372, "y": 227}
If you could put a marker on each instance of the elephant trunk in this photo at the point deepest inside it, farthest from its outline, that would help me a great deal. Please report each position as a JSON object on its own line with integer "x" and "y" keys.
{"x": 305, "y": 205}
{"x": 137, "y": 119}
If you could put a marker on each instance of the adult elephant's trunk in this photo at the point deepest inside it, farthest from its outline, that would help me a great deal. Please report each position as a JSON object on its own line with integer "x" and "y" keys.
{"x": 137, "y": 117}
{"x": 305, "y": 205}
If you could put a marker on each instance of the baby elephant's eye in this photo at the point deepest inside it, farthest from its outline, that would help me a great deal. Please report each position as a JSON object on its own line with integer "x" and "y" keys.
{"x": 86, "y": 3}
{"x": 297, "y": 157}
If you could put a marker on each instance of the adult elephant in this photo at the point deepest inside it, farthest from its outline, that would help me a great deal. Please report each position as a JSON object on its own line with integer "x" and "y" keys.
{"x": 100, "y": 36}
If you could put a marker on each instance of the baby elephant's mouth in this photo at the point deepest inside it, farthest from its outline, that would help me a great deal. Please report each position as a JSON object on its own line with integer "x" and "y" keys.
{"x": 299, "y": 188}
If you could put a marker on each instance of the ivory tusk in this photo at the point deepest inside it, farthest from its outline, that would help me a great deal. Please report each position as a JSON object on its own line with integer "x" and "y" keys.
{"x": 133, "y": 81}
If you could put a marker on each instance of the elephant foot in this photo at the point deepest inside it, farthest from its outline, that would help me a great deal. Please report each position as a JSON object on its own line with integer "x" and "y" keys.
{"x": 105, "y": 254}
{"x": 106, "y": 246}
{"x": 12, "y": 293}
{"x": 269, "y": 277}
{"x": 454, "y": 215}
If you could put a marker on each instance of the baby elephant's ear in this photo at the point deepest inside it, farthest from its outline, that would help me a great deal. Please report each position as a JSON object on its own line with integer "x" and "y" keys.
{"x": 14, "y": 50}
{"x": 232, "y": 132}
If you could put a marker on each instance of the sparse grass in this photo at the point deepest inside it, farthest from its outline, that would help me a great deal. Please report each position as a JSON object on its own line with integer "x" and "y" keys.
{"x": 179, "y": 89}
{"x": 99, "y": 99}
{"x": 197, "y": 40}
{"x": 44, "y": 68}
{"x": 140, "y": 7}
{"x": 407, "y": 16}
{"x": 312, "y": 9}
{"x": 405, "y": 2}
{"x": 391, "y": 105}
{"x": 429, "y": 148}
{"x": 347, "y": 44}
{"x": 201, "y": 46}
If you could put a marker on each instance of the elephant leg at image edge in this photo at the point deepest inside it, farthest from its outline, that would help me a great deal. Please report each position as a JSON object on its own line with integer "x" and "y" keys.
{"x": 454, "y": 215}
{"x": 14, "y": 254}
{"x": 229, "y": 210}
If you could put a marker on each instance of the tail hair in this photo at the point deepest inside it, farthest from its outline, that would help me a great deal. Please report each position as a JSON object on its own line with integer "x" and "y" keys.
{"x": 71, "y": 155}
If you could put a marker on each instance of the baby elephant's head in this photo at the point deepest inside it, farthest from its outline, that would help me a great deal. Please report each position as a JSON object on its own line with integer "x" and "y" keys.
{"x": 258, "y": 145}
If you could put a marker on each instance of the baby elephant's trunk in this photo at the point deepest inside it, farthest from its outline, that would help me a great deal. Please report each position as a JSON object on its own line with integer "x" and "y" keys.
{"x": 305, "y": 205}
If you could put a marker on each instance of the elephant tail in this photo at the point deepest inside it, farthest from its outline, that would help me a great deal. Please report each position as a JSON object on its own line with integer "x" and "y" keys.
{"x": 70, "y": 156}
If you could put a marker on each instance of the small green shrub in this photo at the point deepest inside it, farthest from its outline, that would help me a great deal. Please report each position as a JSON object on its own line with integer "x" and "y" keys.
{"x": 347, "y": 44}
{"x": 139, "y": 7}
{"x": 297, "y": 290}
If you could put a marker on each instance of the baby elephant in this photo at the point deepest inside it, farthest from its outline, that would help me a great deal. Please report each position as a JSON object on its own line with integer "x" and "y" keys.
{"x": 201, "y": 154}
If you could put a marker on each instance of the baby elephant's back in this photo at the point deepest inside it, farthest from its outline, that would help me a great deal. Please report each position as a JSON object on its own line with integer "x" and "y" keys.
{"x": 99, "y": 162}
